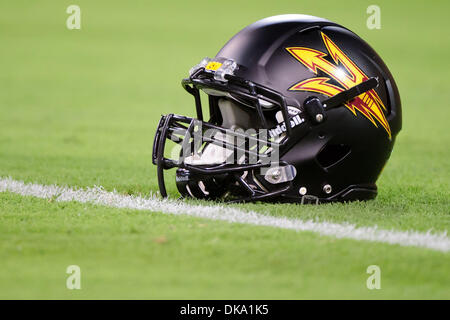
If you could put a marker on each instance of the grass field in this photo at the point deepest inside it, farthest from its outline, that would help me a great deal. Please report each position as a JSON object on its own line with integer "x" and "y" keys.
{"x": 79, "y": 108}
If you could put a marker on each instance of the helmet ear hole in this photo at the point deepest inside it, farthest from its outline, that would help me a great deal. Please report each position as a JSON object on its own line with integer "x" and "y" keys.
{"x": 332, "y": 154}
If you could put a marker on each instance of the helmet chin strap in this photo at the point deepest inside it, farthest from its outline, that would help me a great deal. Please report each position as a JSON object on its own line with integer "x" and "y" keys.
{"x": 316, "y": 108}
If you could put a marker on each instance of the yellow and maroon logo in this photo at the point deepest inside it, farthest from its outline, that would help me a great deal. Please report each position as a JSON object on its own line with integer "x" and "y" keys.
{"x": 368, "y": 103}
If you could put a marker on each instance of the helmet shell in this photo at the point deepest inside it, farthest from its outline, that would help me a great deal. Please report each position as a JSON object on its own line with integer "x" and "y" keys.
{"x": 348, "y": 151}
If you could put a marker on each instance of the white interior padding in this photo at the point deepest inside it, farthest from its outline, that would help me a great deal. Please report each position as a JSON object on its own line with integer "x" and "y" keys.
{"x": 233, "y": 118}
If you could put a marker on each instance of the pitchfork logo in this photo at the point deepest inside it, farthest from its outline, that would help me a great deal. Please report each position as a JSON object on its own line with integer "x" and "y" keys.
{"x": 367, "y": 103}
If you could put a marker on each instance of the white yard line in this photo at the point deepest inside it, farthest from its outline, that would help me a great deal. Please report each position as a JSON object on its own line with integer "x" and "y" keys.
{"x": 97, "y": 195}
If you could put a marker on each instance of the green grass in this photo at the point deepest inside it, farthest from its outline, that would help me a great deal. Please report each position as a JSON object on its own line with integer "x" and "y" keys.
{"x": 80, "y": 108}
{"x": 130, "y": 254}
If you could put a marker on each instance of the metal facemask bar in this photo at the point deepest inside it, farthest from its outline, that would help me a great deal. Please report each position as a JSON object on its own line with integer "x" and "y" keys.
{"x": 182, "y": 130}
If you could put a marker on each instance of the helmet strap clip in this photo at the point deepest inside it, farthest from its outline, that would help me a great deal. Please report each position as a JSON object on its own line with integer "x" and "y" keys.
{"x": 315, "y": 110}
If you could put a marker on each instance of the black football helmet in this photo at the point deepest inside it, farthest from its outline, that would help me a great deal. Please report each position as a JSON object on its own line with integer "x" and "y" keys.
{"x": 301, "y": 109}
